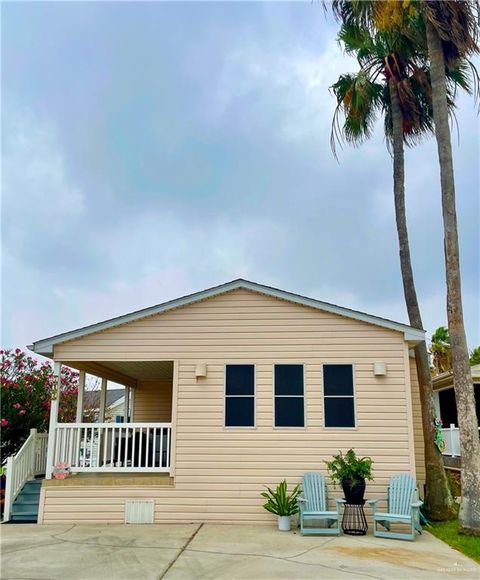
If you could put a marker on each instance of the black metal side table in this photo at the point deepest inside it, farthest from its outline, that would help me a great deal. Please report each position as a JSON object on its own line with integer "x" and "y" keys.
{"x": 354, "y": 522}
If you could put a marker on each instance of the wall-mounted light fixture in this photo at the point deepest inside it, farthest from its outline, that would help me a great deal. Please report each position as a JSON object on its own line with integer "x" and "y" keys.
{"x": 201, "y": 371}
{"x": 379, "y": 369}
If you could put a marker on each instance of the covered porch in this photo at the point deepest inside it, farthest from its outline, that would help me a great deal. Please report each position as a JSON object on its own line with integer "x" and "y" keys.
{"x": 141, "y": 444}
{"x": 446, "y": 410}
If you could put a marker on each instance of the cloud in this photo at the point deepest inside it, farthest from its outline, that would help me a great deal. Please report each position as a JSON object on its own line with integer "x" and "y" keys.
{"x": 181, "y": 146}
{"x": 36, "y": 189}
{"x": 287, "y": 84}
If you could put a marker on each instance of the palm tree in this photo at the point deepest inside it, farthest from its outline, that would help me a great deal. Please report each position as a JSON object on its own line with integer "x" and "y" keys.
{"x": 441, "y": 350}
{"x": 452, "y": 29}
{"x": 403, "y": 96}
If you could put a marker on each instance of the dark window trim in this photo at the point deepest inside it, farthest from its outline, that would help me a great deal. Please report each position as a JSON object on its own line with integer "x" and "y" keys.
{"x": 354, "y": 396}
{"x": 254, "y": 396}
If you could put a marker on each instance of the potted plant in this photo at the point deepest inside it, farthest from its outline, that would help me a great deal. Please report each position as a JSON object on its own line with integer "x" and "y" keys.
{"x": 61, "y": 470}
{"x": 351, "y": 472}
{"x": 282, "y": 504}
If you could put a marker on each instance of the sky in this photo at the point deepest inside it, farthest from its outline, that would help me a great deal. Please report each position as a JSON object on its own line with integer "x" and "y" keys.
{"x": 150, "y": 150}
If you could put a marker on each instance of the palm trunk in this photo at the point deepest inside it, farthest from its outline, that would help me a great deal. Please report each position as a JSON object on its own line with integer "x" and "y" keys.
{"x": 462, "y": 378}
{"x": 439, "y": 503}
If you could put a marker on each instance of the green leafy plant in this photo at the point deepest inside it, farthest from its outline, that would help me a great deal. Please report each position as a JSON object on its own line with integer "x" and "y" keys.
{"x": 349, "y": 467}
{"x": 441, "y": 350}
{"x": 475, "y": 356}
{"x": 280, "y": 502}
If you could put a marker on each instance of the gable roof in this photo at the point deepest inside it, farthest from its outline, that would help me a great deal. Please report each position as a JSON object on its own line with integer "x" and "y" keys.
{"x": 92, "y": 398}
{"x": 45, "y": 346}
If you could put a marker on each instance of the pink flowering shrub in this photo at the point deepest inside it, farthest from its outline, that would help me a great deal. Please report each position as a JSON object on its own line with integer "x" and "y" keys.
{"x": 26, "y": 388}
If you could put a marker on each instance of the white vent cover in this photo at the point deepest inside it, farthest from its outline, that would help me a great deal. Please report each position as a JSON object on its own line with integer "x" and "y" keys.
{"x": 201, "y": 370}
{"x": 379, "y": 369}
{"x": 139, "y": 511}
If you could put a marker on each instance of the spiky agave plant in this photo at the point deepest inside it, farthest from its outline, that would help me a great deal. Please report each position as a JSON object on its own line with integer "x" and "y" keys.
{"x": 279, "y": 501}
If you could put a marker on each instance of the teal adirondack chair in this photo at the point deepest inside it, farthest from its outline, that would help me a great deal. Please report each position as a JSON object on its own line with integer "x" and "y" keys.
{"x": 403, "y": 506}
{"x": 314, "y": 506}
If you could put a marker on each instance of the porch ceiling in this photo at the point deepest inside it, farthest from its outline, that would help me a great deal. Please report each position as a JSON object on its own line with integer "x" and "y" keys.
{"x": 126, "y": 372}
{"x": 143, "y": 370}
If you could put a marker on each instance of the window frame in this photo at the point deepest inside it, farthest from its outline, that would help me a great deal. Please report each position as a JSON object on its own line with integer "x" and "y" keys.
{"x": 304, "y": 396}
{"x": 354, "y": 396}
{"x": 236, "y": 363}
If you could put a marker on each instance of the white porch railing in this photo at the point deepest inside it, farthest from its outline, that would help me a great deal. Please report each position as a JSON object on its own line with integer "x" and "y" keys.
{"x": 113, "y": 447}
{"x": 28, "y": 462}
{"x": 451, "y": 436}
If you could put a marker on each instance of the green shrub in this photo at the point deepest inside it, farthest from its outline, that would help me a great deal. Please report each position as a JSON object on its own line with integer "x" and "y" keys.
{"x": 349, "y": 467}
{"x": 280, "y": 502}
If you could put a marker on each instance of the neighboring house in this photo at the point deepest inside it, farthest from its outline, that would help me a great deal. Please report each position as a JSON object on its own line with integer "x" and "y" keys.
{"x": 114, "y": 403}
{"x": 446, "y": 407}
{"x": 234, "y": 388}
{"x": 117, "y": 410}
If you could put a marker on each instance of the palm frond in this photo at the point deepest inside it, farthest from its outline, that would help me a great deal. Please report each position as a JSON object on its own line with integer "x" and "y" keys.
{"x": 389, "y": 41}
{"x": 358, "y": 101}
{"x": 458, "y": 25}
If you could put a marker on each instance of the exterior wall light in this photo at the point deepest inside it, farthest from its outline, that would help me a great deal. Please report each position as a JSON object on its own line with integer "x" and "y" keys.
{"x": 379, "y": 369}
{"x": 201, "y": 371}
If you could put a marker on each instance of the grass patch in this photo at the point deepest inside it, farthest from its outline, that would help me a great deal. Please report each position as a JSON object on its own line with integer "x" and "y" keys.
{"x": 448, "y": 532}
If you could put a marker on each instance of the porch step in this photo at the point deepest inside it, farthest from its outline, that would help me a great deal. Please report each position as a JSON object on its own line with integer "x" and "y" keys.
{"x": 25, "y": 506}
{"x": 32, "y": 486}
{"x": 24, "y": 519}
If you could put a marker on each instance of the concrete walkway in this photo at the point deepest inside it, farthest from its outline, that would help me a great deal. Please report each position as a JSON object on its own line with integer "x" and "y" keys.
{"x": 109, "y": 552}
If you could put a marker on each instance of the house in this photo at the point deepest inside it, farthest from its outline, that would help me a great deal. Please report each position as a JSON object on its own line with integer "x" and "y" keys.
{"x": 230, "y": 389}
{"x": 114, "y": 404}
{"x": 446, "y": 408}
{"x": 117, "y": 410}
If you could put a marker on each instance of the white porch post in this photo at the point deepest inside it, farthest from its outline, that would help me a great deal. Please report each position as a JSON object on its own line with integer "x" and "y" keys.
{"x": 8, "y": 490}
{"x": 455, "y": 440}
{"x": 33, "y": 435}
{"x": 81, "y": 392}
{"x": 126, "y": 407}
{"x": 57, "y": 369}
{"x": 132, "y": 403}
{"x": 103, "y": 400}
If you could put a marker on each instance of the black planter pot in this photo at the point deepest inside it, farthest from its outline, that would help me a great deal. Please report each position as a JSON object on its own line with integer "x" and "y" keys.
{"x": 355, "y": 493}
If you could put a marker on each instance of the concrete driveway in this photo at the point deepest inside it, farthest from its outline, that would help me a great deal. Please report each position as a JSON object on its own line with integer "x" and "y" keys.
{"x": 110, "y": 552}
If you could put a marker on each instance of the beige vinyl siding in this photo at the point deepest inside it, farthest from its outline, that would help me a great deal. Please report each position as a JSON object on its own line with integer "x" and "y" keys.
{"x": 220, "y": 472}
{"x": 417, "y": 425}
{"x": 153, "y": 401}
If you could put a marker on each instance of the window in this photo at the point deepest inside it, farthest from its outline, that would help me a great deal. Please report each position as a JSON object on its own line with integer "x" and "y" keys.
{"x": 338, "y": 396}
{"x": 239, "y": 396}
{"x": 289, "y": 396}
